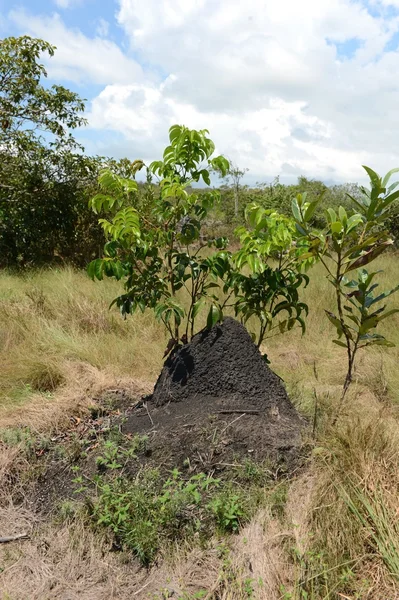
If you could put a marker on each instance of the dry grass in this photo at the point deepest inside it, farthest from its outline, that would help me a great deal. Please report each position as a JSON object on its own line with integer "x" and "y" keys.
{"x": 70, "y": 562}
{"x": 60, "y": 347}
{"x": 67, "y": 562}
{"x": 56, "y": 334}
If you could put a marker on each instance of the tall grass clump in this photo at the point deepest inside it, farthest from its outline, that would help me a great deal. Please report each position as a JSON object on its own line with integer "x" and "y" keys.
{"x": 53, "y": 318}
{"x": 352, "y": 547}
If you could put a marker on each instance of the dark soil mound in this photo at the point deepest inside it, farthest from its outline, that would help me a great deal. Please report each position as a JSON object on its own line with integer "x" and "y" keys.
{"x": 222, "y": 363}
{"x": 217, "y": 397}
{"x": 216, "y": 408}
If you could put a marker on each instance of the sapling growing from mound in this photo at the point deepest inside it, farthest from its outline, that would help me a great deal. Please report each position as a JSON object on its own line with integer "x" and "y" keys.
{"x": 158, "y": 247}
{"x": 159, "y": 251}
{"x": 347, "y": 244}
{"x": 268, "y": 289}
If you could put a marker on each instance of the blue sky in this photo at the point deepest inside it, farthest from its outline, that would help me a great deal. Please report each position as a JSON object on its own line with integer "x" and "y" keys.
{"x": 286, "y": 88}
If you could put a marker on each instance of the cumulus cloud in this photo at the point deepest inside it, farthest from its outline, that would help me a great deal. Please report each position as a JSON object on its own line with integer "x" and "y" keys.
{"x": 285, "y": 87}
{"x": 79, "y": 58}
{"x": 260, "y": 139}
{"x": 271, "y": 80}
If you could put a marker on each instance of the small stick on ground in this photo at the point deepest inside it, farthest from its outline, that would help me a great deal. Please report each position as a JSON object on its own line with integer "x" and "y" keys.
{"x": 233, "y": 421}
{"x": 14, "y": 538}
{"x": 148, "y": 413}
{"x": 238, "y": 412}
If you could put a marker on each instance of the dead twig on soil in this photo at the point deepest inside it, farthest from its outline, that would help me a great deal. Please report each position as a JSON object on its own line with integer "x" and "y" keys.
{"x": 238, "y": 412}
{"x": 14, "y": 538}
{"x": 233, "y": 421}
{"x": 148, "y": 413}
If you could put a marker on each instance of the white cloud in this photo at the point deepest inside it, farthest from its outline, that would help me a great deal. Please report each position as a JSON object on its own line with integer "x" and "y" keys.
{"x": 79, "y": 58}
{"x": 268, "y": 79}
{"x": 102, "y": 27}
{"x": 66, "y": 3}
{"x": 259, "y": 139}
{"x": 284, "y": 86}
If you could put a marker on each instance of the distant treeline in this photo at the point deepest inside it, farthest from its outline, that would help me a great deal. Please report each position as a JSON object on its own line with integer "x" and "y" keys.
{"x": 45, "y": 218}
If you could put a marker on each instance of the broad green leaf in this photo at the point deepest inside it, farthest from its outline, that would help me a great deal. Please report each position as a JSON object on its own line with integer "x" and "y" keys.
{"x": 214, "y": 316}
{"x": 206, "y": 177}
{"x": 388, "y": 176}
{"x": 343, "y": 217}
{"x": 336, "y": 227}
{"x": 389, "y": 199}
{"x": 311, "y": 209}
{"x": 331, "y": 215}
{"x": 117, "y": 269}
{"x": 300, "y": 229}
{"x": 96, "y": 269}
{"x": 174, "y": 133}
{"x": 368, "y": 324}
{"x": 254, "y": 262}
{"x": 374, "y": 177}
{"x": 389, "y": 313}
{"x": 384, "y": 295}
{"x": 335, "y": 321}
{"x": 197, "y": 307}
{"x": 295, "y": 210}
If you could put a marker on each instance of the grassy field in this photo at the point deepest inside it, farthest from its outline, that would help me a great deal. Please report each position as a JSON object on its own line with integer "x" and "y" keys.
{"x": 337, "y": 535}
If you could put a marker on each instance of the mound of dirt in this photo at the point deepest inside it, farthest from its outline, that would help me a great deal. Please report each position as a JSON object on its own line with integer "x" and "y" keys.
{"x": 222, "y": 362}
{"x": 216, "y": 406}
{"x": 217, "y": 399}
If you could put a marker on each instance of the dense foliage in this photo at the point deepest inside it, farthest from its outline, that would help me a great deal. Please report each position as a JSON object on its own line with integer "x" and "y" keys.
{"x": 45, "y": 179}
{"x": 159, "y": 252}
{"x": 348, "y": 243}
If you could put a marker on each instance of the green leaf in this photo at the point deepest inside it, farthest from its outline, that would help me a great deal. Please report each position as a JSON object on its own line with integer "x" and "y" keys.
{"x": 368, "y": 324}
{"x": 206, "y": 177}
{"x": 389, "y": 199}
{"x": 174, "y": 133}
{"x": 214, "y": 316}
{"x": 388, "y": 314}
{"x": 343, "y": 217}
{"x": 335, "y": 321}
{"x": 159, "y": 310}
{"x": 311, "y": 209}
{"x": 210, "y": 285}
{"x": 96, "y": 269}
{"x": 388, "y": 177}
{"x": 353, "y": 222}
{"x": 117, "y": 269}
{"x": 336, "y": 227}
{"x": 254, "y": 262}
{"x": 296, "y": 210}
{"x": 331, "y": 215}
{"x": 374, "y": 177}
{"x": 282, "y": 326}
{"x": 384, "y": 295}
{"x": 300, "y": 229}
{"x": 197, "y": 307}
{"x": 339, "y": 343}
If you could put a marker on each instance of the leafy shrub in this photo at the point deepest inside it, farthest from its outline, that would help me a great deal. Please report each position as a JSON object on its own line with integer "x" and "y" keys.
{"x": 348, "y": 243}
{"x": 161, "y": 256}
{"x": 147, "y": 513}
